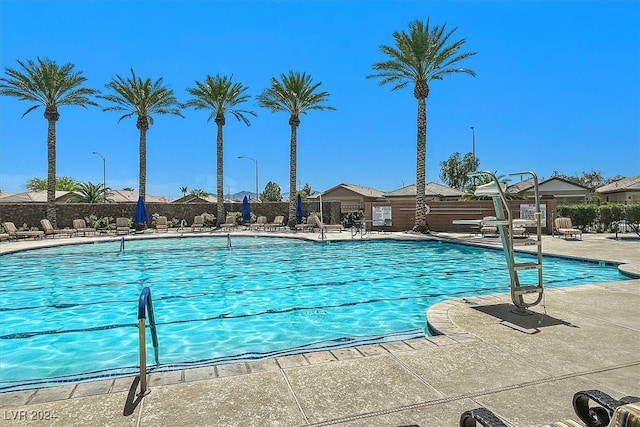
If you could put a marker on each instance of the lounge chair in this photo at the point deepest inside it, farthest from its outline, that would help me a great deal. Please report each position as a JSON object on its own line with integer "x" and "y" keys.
{"x": 565, "y": 228}
{"x": 123, "y": 225}
{"x": 278, "y": 222}
{"x": 230, "y": 222}
{"x": 261, "y": 223}
{"x": 488, "y": 229}
{"x": 308, "y": 225}
{"x": 198, "y": 223}
{"x": 81, "y": 227}
{"x": 50, "y": 231}
{"x": 610, "y": 409}
{"x": 327, "y": 227}
{"x": 13, "y": 232}
{"x": 161, "y": 224}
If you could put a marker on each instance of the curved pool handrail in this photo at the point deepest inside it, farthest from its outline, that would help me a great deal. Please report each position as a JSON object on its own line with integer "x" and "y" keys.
{"x": 145, "y": 306}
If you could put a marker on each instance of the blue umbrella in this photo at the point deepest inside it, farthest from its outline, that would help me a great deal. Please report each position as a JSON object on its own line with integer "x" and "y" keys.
{"x": 299, "y": 213}
{"x": 246, "y": 209}
{"x": 141, "y": 216}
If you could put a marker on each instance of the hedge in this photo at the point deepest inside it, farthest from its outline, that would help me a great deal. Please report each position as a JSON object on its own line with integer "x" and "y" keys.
{"x": 600, "y": 218}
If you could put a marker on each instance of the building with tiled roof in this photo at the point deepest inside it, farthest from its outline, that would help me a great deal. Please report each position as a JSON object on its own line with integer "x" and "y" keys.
{"x": 626, "y": 190}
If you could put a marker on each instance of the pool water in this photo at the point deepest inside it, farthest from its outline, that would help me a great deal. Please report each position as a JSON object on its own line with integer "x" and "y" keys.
{"x": 70, "y": 313}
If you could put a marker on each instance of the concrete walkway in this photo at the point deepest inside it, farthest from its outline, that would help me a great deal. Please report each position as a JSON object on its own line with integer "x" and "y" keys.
{"x": 524, "y": 368}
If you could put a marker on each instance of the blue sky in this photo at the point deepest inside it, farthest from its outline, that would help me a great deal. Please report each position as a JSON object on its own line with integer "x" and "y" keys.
{"x": 557, "y": 89}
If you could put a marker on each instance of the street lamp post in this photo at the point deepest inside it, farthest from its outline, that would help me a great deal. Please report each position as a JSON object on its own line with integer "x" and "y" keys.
{"x": 473, "y": 141}
{"x": 256, "y": 162}
{"x": 104, "y": 175}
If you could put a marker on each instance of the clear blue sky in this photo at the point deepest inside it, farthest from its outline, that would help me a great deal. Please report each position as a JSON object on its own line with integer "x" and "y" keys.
{"x": 557, "y": 89}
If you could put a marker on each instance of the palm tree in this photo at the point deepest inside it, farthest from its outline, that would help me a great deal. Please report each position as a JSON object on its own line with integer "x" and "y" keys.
{"x": 141, "y": 98}
{"x": 46, "y": 83}
{"x": 420, "y": 55}
{"x": 90, "y": 193}
{"x": 295, "y": 94}
{"x": 220, "y": 95}
{"x": 183, "y": 190}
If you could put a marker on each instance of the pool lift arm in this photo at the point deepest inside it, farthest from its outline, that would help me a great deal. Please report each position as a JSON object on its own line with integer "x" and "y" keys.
{"x": 504, "y": 223}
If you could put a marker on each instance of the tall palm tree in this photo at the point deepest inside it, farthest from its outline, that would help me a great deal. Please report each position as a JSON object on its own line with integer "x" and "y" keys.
{"x": 295, "y": 94}
{"x": 44, "y": 82}
{"x": 141, "y": 98}
{"x": 420, "y": 55}
{"x": 183, "y": 190}
{"x": 220, "y": 95}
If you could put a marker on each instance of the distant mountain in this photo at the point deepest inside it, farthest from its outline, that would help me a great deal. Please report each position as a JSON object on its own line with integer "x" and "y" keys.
{"x": 240, "y": 196}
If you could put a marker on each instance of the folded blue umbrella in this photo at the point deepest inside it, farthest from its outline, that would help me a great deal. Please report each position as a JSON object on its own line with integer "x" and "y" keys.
{"x": 299, "y": 213}
{"x": 246, "y": 209}
{"x": 141, "y": 216}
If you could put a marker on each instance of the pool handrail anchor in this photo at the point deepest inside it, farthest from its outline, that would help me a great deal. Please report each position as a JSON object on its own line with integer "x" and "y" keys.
{"x": 504, "y": 224}
{"x": 145, "y": 305}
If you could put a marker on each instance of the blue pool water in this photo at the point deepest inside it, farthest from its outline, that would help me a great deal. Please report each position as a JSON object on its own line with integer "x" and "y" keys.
{"x": 70, "y": 313}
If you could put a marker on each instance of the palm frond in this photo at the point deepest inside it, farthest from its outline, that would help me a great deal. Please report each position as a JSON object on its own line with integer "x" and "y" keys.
{"x": 220, "y": 95}
{"x": 46, "y": 83}
{"x": 422, "y": 53}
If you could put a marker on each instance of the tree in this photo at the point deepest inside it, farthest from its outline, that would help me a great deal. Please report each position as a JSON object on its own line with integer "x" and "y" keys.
{"x": 420, "y": 55}
{"x": 199, "y": 193}
{"x": 294, "y": 94}
{"x": 90, "y": 193}
{"x": 484, "y": 179}
{"x": 591, "y": 179}
{"x": 183, "y": 190}
{"x": 220, "y": 95}
{"x": 454, "y": 171}
{"x": 271, "y": 193}
{"x": 63, "y": 183}
{"x": 305, "y": 191}
{"x": 45, "y": 83}
{"x": 143, "y": 99}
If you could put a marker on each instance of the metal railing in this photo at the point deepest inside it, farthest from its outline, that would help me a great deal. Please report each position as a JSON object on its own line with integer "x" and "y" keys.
{"x": 145, "y": 306}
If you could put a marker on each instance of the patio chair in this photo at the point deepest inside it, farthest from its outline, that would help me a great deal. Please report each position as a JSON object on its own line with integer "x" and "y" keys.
{"x": 610, "y": 409}
{"x": 308, "y": 225}
{"x": 81, "y": 227}
{"x": 13, "y": 232}
{"x": 198, "y": 223}
{"x": 327, "y": 227}
{"x": 278, "y": 222}
{"x": 123, "y": 225}
{"x": 488, "y": 229}
{"x": 261, "y": 223}
{"x": 161, "y": 224}
{"x": 230, "y": 222}
{"x": 565, "y": 228}
{"x": 53, "y": 232}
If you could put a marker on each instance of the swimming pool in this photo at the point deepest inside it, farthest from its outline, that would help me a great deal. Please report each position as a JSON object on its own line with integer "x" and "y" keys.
{"x": 70, "y": 313}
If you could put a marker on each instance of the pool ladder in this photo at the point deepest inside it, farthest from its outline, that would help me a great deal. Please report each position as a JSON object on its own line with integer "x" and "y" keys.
{"x": 504, "y": 223}
{"x": 145, "y": 306}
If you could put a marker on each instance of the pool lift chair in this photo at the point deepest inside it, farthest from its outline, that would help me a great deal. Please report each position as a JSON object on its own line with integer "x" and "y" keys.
{"x": 504, "y": 223}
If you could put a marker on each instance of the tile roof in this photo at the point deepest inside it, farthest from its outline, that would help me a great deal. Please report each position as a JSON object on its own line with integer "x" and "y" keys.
{"x": 625, "y": 184}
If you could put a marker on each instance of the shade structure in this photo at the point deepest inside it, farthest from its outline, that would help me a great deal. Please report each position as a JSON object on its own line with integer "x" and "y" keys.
{"x": 246, "y": 209}
{"x": 141, "y": 216}
{"x": 299, "y": 213}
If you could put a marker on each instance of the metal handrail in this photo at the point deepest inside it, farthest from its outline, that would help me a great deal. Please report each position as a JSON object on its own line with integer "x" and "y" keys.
{"x": 145, "y": 306}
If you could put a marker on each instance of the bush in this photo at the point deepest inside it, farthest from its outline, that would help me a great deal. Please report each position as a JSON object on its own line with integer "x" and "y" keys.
{"x": 600, "y": 218}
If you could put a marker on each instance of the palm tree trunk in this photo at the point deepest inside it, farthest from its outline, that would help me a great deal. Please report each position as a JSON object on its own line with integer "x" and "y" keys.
{"x": 421, "y": 168}
{"x": 51, "y": 170}
{"x": 219, "y": 172}
{"x": 143, "y": 164}
{"x": 294, "y": 122}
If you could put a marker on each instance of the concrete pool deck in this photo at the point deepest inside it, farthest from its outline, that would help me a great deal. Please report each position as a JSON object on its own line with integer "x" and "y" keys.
{"x": 524, "y": 368}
